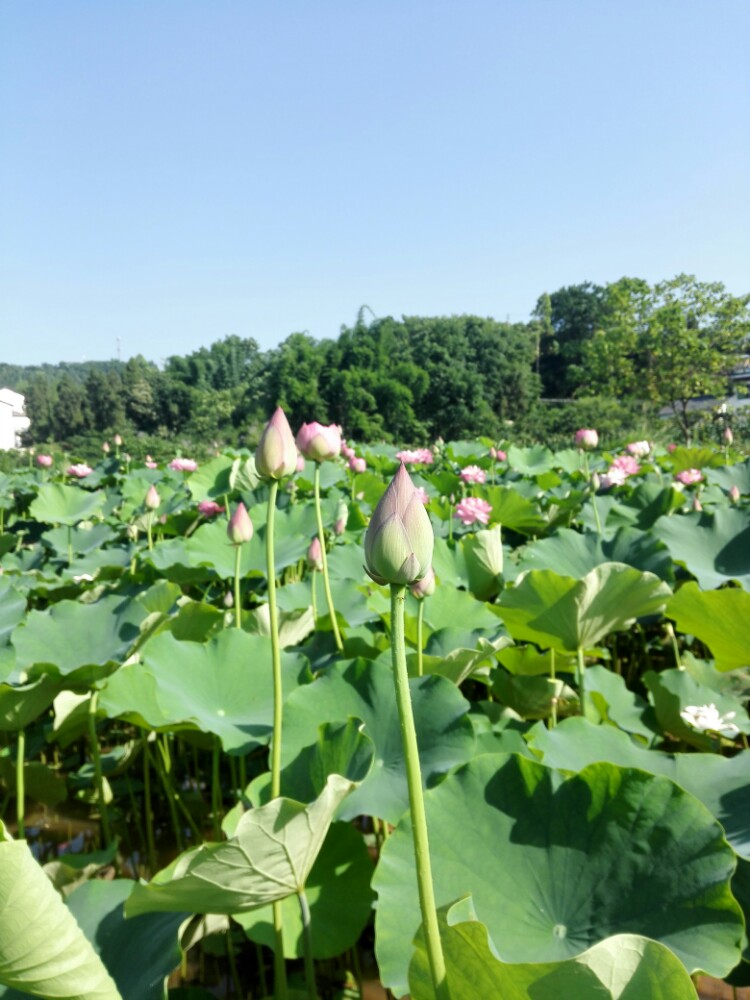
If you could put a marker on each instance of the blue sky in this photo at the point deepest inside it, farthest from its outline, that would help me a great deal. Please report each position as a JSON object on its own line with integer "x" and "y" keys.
{"x": 175, "y": 172}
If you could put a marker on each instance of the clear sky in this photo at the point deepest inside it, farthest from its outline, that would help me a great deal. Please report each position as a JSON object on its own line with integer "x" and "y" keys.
{"x": 175, "y": 171}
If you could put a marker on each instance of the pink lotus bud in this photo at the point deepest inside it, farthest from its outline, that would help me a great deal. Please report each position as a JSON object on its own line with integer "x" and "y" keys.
{"x": 734, "y": 494}
{"x": 240, "y": 527}
{"x": 276, "y": 456}
{"x": 689, "y": 476}
{"x": 425, "y": 586}
{"x": 318, "y": 442}
{"x": 493, "y": 454}
{"x": 45, "y": 461}
{"x": 105, "y": 447}
{"x": 80, "y": 471}
{"x": 728, "y": 436}
{"x": 153, "y": 499}
{"x": 587, "y": 438}
{"x": 501, "y": 456}
{"x": 118, "y": 440}
{"x": 342, "y": 516}
{"x": 150, "y": 464}
{"x": 210, "y": 508}
{"x": 347, "y": 452}
{"x": 671, "y": 448}
{"x": 595, "y": 482}
{"x": 399, "y": 537}
{"x": 181, "y": 464}
{"x": 357, "y": 464}
{"x": 314, "y": 554}
{"x": 639, "y": 449}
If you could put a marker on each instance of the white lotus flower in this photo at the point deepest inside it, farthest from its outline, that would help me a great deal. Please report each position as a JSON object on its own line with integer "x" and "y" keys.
{"x": 707, "y": 718}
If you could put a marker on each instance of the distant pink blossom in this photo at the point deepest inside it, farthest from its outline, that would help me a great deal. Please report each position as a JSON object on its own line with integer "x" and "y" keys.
{"x": 671, "y": 448}
{"x": 44, "y": 461}
{"x": 346, "y": 451}
{"x": 418, "y": 456}
{"x": 728, "y": 435}
{"x": 473, "y": 474}
{"x": 422, "y": 494}
{"x": 734, "y": 494}
{"x": 587, "y": 437}
{"x": 357, "y": 464}
{"x": 613, "y": 477}
{"x": 626, "y": 464}
{"x": 80, "y": 471}
{"x": 150, "y": 464}
{"x": 210, "y": 508}
{"x": 472, "y": 509}
{"x": 689, "y": 476}
{"x": 183, "y": 464}
{"x": 498, "y": 454}
{"x": 319, "y": 442}
{"x": 639, "y": 449}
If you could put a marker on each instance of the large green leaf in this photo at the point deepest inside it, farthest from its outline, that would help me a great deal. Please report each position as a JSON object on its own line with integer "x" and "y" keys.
{"x": 674, "y": 691}
{"x": 531, "y": 461}
{"x": 719, "y": 619}
{"x": 568, "y": 614}
{"x": 514, "y": 511}
{"x": 57, "y": 503}
{"x": 363, "y": 689}
{"x": 12, "y": 608}
{"x": 223, "y": 686}
{"x": 42, "y": 949}
{"x": 573, "y": 553}
{"x": 714, "y": 547}
{"x": 731, "y": 475}
{"x": 269, "y": 857}
{"x": 556, "y": 864}
{"x": 22, "y": 704}
{"x": 82, "y": 642}
{"x": 721, "y": 783}
{"x": 622, "y": 967}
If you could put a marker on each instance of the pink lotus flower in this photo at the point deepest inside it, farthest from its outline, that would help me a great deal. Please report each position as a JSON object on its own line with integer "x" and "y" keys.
{"x": 183, "y": 464}
{"x": 472, "y": 510}
{"x": 473, "y": 474}
{"x": 689, "y": 476}
{"x": 210, "y": 508}
{"x": 45, "y": 461}
{"x": 150, "y": 464}
{"x": 419, "y": 456}
{"x": 614, "y": 477}
{"x": 153, "y": 499}
{"x": 497, "y": 455}
{"x": 587, "y": 438}
{"x": 80, "y": 471}
{"x": 626, "y": 464}
{"x": 318, "y": 442}
{"x": 357, "y": 464}
{"x": 671, "y": 448}
{"x": 346, "y": 451}
{"x": 423, "y": 494}
{"x": 639, "y": 449}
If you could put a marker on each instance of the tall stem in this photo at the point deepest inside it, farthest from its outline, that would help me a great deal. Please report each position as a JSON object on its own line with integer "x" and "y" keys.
{"x": 580, "y": 667}
{"x": 98, "y": 776}
{"x": 237, "y": 606}
{"x": 420, "y": 629}
{"x": 278, "y": 917}
{"x": 416, "y": 797}
{"x": 20, "y": 786}
{"x": 307, "y": 944}
{"x": 553, "y": 681}
{"x": 324, "y": 561}
{"x": 148, "y": 809}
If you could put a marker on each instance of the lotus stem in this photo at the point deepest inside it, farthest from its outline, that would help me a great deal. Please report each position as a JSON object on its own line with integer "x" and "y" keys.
{"x": 216, "y": 788}
{"x": 149, "y": 530}
{"x": 278, "y": 917}
{"x": 312, "y": 992}
{"x": 98, "y": 776}
{"x": 580, "y": 668}
{"x": 313, "y": 598}
{"x": 553, "y": 679}
{"x": 324, "y": 561}
{"x": 416, "y": 797}
{"x": 237, "y": 606}
{"x": 149, "y": 817}
{"x": 20, "y": 786}
{"x": 420, "y": 630}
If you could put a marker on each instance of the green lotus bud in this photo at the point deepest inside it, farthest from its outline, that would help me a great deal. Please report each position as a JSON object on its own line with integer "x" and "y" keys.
{"x": 399, "y": 538}
{"x": 484, "y": 562}
{"x": 276, "y": 456}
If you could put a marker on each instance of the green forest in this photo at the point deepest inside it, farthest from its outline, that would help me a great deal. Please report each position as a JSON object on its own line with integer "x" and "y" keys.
{"x": 610, "y": 356}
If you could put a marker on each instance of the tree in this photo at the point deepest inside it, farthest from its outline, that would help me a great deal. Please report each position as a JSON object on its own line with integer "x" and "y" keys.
{"x": 575, "y": 314}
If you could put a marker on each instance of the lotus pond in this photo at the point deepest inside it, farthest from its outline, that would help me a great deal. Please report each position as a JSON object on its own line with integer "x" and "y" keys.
{"x": 182, "y": 820}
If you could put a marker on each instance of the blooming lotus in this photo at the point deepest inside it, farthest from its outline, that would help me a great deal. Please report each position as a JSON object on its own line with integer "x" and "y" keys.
{"x": 276, "y": 455}
{"x": 626, "y": 464}
{"x": 420, "y": 456}
{"x": 639, "y": 449}
{"x": 707, "y": 718}
{"x": 473, "y": 474}
{"x": 44, "y": 461}
{"x": 473, "y": 510}
{"x": 399, "y": 537}
{"x": 210, "y": 508}
{"x": 423, "y": 495}
{"x": 587, "y": 438}
{"x": 80, "y": 471}
{"x": 318, "y": 442}
{"x": 689, "y": 476}
{"x": 613, "y": 477}
{"x": 180, "y": 464}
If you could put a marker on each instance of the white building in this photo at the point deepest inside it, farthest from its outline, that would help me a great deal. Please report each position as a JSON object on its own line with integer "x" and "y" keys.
{"x": 13, "y": 420}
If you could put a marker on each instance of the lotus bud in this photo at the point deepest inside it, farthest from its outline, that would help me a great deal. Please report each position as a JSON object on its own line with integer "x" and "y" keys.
{"x": 105, "y": 447}
{"x": 357, "y": 464}
{"x": 596, "y": 482}
{"x": 734, "y": 494}
{"x": 276, "y": 456}
{"x": 342, "y": 516}
{"x": 424, "y": 587}
{"x": 315, "y": 555}
{"x": 728, "y": 436}
{"x": 118, "y": 440}
{"x": 587, "y": 438}
{"x": 399, "y": 538}
{"x": 229, "y": 599}
{"x": 318, "y": 442}
{"x": 153, "y": 499}
{"x": 300, "y": 463}
{"x": 240, "y": 527}
{"x": 483, "y": 552}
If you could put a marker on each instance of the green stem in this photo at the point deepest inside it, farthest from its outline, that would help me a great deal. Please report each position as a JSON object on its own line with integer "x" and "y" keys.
{"x": 308, "y": 947}
{"x": 98, "y": 776}
{"x": 580, "y": 667}
{"x": 70, "y": 545}
{"x": 149, "y": 530}
{"x": 237, "y": 606}
{"x": 597, "y": 522}
{"x": 163, "y": 769}
{"x": 148, "y": 805}
{"x": 553, "y": 679}
{"x": 324, "y": 561}
{"x": 312, "y": 591}
{"x": 233, "y": 963}
{"x": 216, "y": 789}
{"x": 20, "y": 786}
{"x": 278, "y": 918}
{"x": 416, "y": 797}
{"x": 420, "y": 623}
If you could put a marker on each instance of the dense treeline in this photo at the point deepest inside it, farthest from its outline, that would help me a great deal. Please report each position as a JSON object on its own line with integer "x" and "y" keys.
{"x": 617, "y": 352}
